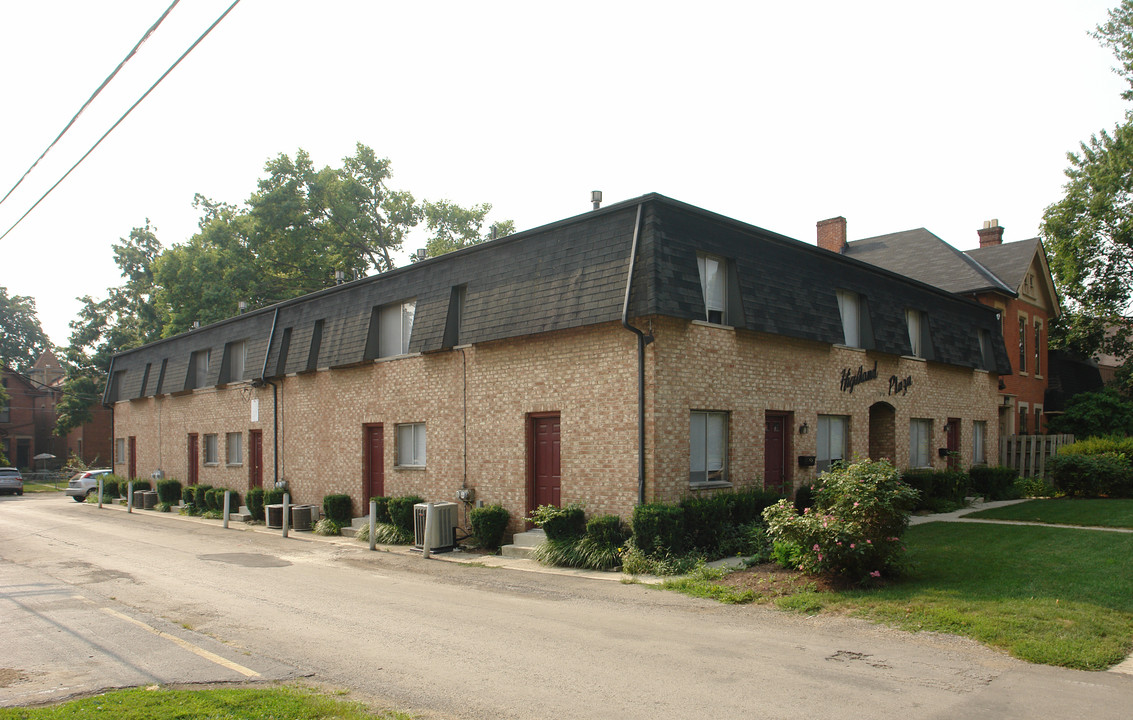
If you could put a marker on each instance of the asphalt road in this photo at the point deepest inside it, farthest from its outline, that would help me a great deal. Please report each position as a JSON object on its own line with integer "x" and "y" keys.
{"x": 94, "y": 598}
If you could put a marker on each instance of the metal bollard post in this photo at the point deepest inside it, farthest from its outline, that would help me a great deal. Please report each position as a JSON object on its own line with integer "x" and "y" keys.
{"x": 373, "y": 524}
{"x": 100, "y": 492}
{"x": 286, "y": 511}
{"x": 426, "y": 546}
{"x": 130, "y": 497}
{"x": 227, "y": 501}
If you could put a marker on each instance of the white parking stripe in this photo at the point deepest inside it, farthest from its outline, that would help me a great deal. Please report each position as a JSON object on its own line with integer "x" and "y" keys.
{"x": 186, "y": 645}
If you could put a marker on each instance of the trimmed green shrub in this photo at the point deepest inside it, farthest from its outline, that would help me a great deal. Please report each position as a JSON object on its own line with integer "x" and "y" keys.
{"x": 658, "y": 529}
{"x": 401, "y": 512}
{"x": 201, "y": 498}
{"x": 338, "y": 508}
{"x": 255, "y": 501}
{"x": 1100, "y": 445}
{"x": 560, "y": 523}
{"x": 1033, "y": 487}
{"x": 748, "y": 540}
{"x": 747, "y": 506}
{"x": 854, "y": 527}
{"x": 607, "y": 530}
{"x": 273, "y": 496}
{"x": 994, "y": 482}
{"x": 233, "y": 500}
{"x": 382, "y": 509}
{"x": 139, "y": 485}
{"x": 189, "y": 495}
{"x": 211, "y": 502}
{"x": 934, "y": 486}
{"x": 488, "y": 525}
{"x": 705, "y": 517}
{"x": 169, "y": 491}
{"x": 110, "y": 487}
{"x": 804, "y": 497}
{"x": 1108, "y": 474}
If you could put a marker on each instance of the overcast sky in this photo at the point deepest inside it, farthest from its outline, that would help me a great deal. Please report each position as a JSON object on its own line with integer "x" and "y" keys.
{"x": 896, "y": 115}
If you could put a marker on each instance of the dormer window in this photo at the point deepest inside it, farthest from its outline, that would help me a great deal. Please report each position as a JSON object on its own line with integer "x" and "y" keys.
{"x": 714, "y": 286}
{"x": 986, "y": 358}
{"x": 919, "y": 341}
{"x": 854, "y": 311}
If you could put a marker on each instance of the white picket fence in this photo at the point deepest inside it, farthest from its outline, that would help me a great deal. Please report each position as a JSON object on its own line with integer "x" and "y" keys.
{"x": 1028, "y": 453}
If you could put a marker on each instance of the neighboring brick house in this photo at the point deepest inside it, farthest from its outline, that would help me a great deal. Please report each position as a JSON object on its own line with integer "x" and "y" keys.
{"x": 26, "y": 421}
{"x": 645, "y": 351}
{"x": 1014, "y": 278}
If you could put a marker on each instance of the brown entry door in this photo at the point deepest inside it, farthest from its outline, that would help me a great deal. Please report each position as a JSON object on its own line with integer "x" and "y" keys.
{"x": 133, "y": 442}
{"x": 193, "y": 459}
{"x": 775, "y": 452}
{"x": 953, "y": 441}
{"x": 255, "y": 459}
{"x": 374, "y": 484}
{"x": 546, "y": 478}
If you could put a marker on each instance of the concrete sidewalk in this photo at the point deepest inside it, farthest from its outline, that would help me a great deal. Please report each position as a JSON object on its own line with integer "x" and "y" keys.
{"x": 961, "y": 516}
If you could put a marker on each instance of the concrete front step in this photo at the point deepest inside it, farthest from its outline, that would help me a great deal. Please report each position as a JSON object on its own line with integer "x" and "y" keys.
{"x": 523, "y": 544}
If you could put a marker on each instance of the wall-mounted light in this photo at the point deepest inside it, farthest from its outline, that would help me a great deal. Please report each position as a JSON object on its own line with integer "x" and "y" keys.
{"x": 804, "y": 429}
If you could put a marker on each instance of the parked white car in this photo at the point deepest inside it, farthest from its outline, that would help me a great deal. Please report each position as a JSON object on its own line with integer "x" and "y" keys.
{"x": 11, "y": 481}
{"x": 85, "y": 483}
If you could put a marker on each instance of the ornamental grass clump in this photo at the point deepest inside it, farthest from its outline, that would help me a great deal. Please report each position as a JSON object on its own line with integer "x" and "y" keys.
{"x": 853, "y": 530}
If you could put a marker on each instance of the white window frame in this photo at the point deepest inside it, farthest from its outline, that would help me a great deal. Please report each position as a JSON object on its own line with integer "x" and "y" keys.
{"x": 119, "y": 451}
{"x": 979, "y": 442}
{"x": 708, "y": 447}
{"x": 411, "y": 445}
{"x": 202, "y": 368}
{"x": 915, "y": 320}
{"x": 850, "y": 308}
{"x": 920, "y": 442}
{"x": 713, "y": 271}
{"x": 211, "y": 449}
{"x": 395, "y": 327}
{"x": 234, "y": 448}
{"x": 833, "y": 440}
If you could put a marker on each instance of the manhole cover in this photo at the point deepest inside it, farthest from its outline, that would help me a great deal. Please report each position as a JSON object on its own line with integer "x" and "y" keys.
{"x": 253, "y": 560}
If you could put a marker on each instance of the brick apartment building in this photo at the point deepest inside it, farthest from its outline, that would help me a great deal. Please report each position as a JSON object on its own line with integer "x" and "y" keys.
{"x": 641, "y": 352}
{"x": 1013, "y": 278}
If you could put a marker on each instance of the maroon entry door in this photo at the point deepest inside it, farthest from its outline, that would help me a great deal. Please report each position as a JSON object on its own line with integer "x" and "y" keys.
{"x": 775, "y": 452}
{"x": 546, "y": 479}
{"x": 953, "y": 442}
{"x": 193, "y": 459}
{"x": 255, "y": 459}
{"x": 133, "y": 443}
{"x": 374, "y": 484}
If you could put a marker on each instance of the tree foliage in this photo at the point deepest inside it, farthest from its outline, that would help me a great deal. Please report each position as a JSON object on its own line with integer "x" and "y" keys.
{"x": 21, "y": 337}
{"x": 453, "y": 227}
{"x": 1090, "y": 230}
{"x": 1095, "y": 414}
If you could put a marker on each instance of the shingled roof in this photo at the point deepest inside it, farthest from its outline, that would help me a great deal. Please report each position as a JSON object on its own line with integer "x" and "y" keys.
{"x": 1009, "y": 261}
{"x": 921, "y": 255}
{"x": 570, "y": 274}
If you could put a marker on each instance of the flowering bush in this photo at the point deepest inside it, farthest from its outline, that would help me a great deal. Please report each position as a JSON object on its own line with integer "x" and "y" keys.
{"x": 854, "y": 527}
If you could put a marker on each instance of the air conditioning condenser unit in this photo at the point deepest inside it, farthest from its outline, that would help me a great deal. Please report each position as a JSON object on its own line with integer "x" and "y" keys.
{"x": 442, "y": 537}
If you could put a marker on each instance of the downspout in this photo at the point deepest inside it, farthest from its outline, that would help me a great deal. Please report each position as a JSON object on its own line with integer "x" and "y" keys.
{"x": 642, "y": 341}
{"x": 274, "y": 402}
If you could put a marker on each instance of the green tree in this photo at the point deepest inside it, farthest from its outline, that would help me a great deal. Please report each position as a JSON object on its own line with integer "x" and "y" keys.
{"x": 453, "y": 227}
{"x": 1089, "y": 232}
{"x": 1094, "y": 414}
{"x": 21, "y": 336}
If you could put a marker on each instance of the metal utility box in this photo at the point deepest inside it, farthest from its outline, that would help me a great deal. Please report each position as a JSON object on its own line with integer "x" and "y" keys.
{"x": 443, "y": 535}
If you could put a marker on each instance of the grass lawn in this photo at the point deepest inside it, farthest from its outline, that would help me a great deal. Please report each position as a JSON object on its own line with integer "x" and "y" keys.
{"x": 30, "y": 487}
{"x": 1055, "y": 596}
{"x": 293, "y": 703}
{"x": 1066, "y": 511}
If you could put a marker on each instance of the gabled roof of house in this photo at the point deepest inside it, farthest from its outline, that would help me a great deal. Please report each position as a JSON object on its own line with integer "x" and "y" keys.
{"x": 568, "y": 274}
{"x": 921, "y": 255}
{"x": 1009, "y": 261}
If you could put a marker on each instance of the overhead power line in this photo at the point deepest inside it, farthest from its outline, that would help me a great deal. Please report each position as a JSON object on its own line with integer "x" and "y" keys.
{"x": 124, "y": 115}
{"x": 91, "y": 98}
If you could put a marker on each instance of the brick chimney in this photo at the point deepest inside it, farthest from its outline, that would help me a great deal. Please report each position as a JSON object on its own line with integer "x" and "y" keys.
{"x": 991, "y": 234}
{"x": 832, "y": 234}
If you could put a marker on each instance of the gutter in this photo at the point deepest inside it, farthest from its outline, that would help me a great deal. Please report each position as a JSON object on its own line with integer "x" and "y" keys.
{"x": 642, "y": 341}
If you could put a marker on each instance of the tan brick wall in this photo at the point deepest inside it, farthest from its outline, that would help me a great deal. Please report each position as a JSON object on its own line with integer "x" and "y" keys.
{"x": 586, "y": 375}
{"x": 702, "y": 367}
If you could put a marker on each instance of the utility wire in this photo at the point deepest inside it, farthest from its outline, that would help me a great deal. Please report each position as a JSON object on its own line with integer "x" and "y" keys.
{"x": 91, "y": 98}
{"x": 124, "y": 115}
